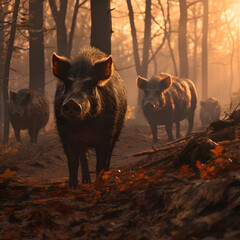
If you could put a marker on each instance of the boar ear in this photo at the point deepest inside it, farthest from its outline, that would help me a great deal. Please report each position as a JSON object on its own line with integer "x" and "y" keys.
{"x": 166, "y": 83}
{"x": 216, "y": 103}
{"x": 102, "y": 71}
{"x": 30, "y": 95}
{"x": 60, "y": 66}
{"x": 13, "y": 96}
{"x": 141, "y": 82}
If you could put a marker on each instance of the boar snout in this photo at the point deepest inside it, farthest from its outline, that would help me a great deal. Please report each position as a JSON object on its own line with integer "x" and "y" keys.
{"x": 16, "y": 114}
{"x": 71, "y": 108}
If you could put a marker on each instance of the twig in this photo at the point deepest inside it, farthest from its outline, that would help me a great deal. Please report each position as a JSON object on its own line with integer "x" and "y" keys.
{"x": 184, "y": 138}
{"x": 178, "y": 178}
{"x": 223, "y": 143}
{"x": 153, "y": 151}
{"x": 236, "y": 108}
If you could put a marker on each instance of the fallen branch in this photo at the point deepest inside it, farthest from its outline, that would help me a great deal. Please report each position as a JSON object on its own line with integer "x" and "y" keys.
{"x": 193, "y": 134}
{"x": 153, "y": 151}
{"x": 224, "y": 143}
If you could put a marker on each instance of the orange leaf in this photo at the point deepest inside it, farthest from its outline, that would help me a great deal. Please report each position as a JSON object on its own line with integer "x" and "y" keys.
{"x": 199, "y": 165}
{"x": 106, "y": 175}
{"x": 7, "y": 174}
{"x": 217, "y": 151}
{"x": 210, "y": 169}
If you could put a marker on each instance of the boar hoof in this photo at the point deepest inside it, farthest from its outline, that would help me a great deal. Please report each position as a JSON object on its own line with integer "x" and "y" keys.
{"x": 86, "y": 181}
{"x": 72, "y": 184}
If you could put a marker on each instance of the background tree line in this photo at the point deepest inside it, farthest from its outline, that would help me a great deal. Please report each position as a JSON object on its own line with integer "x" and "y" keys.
{"x": 196, "y": 39}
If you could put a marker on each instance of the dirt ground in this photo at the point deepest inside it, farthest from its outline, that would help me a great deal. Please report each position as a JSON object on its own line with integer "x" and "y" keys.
{"x": 46, "y": 160}
{"x": 169, "y": 193}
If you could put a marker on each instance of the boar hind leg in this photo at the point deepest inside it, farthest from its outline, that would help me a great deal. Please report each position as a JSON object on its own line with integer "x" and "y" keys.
{"x": 72, "y": 153}
{"x": 109, "y": 157}
{"x": 190, "y": 122}
{"x": 17, "y": 135}
{"x": 169, "y": 131}
{"x": 84, "y": 164}
{"x": 33, "y": 133}
{"x": 154, "y": 132}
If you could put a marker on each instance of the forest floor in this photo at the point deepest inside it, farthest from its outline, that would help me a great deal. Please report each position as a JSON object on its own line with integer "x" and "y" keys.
{"x": 169, "y": 191}
{"x": 46, "y": 159}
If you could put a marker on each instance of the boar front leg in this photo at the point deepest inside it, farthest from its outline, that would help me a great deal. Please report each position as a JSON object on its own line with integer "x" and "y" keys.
{"x": 190, "y": 122}
{"x": 33, "y": 133}
{"x": 104, "y": 154}
{"x": 72, "y": 154}
{"x": 17, "y": 134}
{"x": 154, "y": 132}
{"x": 169, "y": 131}
{"x": 178, "y": 129}
{"x": 84, "y": 165}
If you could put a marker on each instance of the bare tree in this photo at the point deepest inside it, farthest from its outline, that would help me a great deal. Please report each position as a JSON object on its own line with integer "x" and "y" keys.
{"x": 195, "y": 44}
{"x": 36, "y": 43}
{"x": 182, "y": 40}
{"x": 7, "y": 63}
{"x": 141, "y": 68}
{"x": 238, "y": 49}
{"x": 64, "y": 45}
{"x": 59, "y": 17}
{"x": 168, "y": 31}
{"x": 101, "y": 29}
{"x": 2, "y": 55}
{"x": 205, "y": 51}
{"x": 232, "y": 43}
{"x": 74, "y": 20}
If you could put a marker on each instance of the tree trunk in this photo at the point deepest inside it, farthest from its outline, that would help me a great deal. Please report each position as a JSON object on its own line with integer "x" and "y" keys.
{"x": 7, "y": 70}
{"x": 205, "y": 51}
{"x": 182, "y": 40}
{"x": 59, "y": 17}
{"x": 36, "y": 43}
{"x": 141, "y": 69}
{"x": 238, "y": 52}
{"x": 74, "y": 20}
{"x": 146, "y": 47}
{"x": 2, "y": 56}
{"x": 101, "y": 28}
{"x": 195, "y": 45}
{"x": 147, "y": 39}
{"x": 134, "y": 38}
{"x": 232, "y": 40}
{"x": 169, "y": 39}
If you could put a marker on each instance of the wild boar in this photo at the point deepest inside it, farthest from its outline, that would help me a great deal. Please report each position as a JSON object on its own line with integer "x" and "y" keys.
{"x": 28, "y": 110}
{"x": 210, "y": 111}
{"x": 168, "y": 100}
{"x": 90, "y": 107}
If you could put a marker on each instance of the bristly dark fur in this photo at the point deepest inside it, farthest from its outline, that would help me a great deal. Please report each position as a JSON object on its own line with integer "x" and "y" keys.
{"x": 175, "y": 104}
{"x": 32, "y": 114}
{"x": 100, "y": 127}
{"x": 210, "y": 111}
